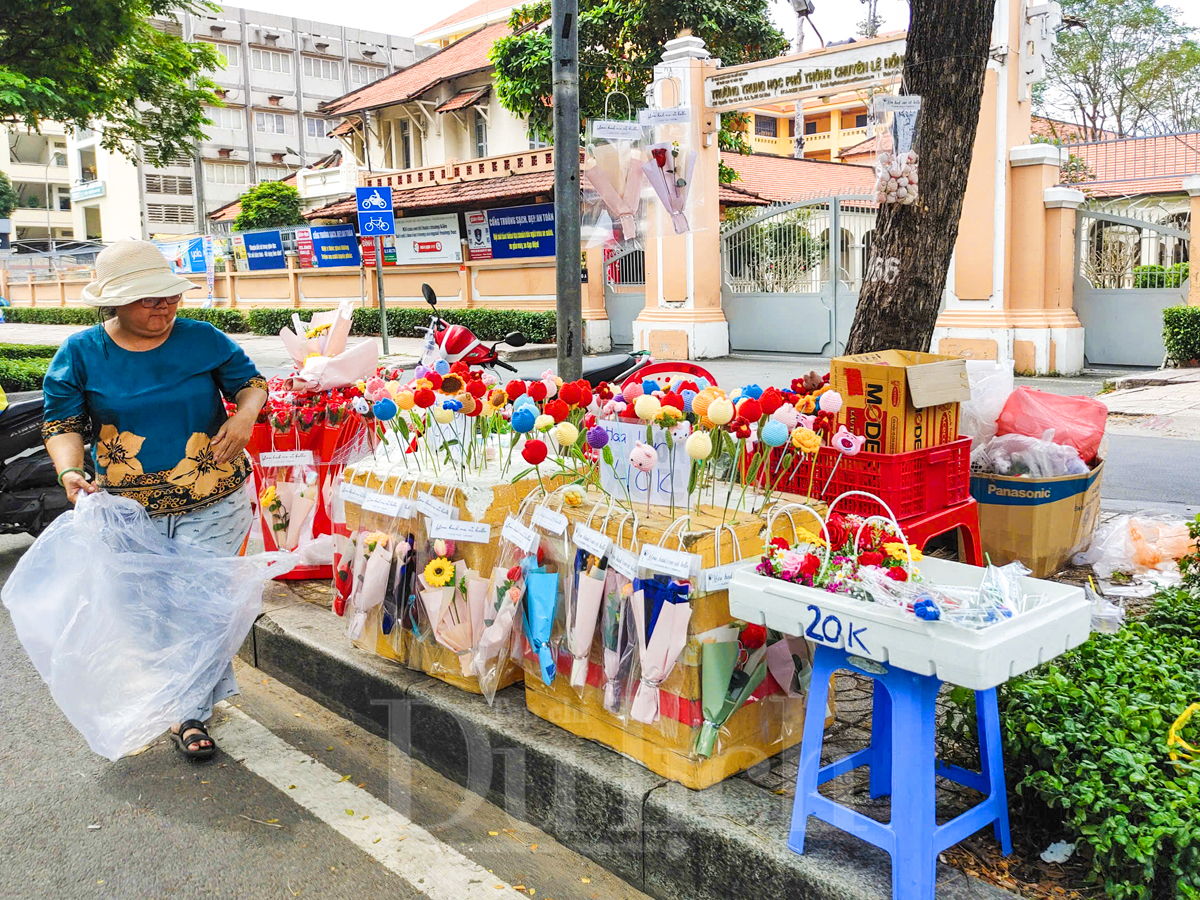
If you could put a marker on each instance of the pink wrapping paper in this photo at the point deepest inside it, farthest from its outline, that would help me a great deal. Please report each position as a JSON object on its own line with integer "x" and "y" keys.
{"x": 659, "y": 655}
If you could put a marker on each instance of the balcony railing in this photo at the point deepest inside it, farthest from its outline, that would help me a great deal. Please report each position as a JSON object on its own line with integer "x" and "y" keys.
{"x": 454, "y": 171}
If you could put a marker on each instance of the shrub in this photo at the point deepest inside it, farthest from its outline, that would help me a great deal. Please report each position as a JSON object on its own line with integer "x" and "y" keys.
{"x": 487, "y": 324}
{"x": 269, "y": 320}
{"x": 231, "y": 321}
{"x": 1085, "y": 745}
{"x": 52, "y": 315}
{"x": 27, "y": 351}
{"x": 1160, "y": 276}
{"x": 23, "y": 374}
{"x": 1181, "y": 332}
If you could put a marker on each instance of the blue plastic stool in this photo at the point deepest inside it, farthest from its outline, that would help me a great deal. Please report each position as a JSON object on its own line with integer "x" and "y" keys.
{"x": 902, "y": 762}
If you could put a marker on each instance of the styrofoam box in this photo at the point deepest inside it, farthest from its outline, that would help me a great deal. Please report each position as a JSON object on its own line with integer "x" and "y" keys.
{"x": 973, "y": 659}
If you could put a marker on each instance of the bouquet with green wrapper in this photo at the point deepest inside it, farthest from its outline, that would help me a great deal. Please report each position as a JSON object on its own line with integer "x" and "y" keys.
{"x": 729, "y": 674}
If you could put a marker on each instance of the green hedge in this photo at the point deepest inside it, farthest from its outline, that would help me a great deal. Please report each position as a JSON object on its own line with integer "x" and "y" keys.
{"x": 23, "y": 374}
{"x": 1160, "y": 276}
{"x": 27, "y": 351}
{"x": 52, "y": 315}
{"x": 1181, "y": 332}
{"x": 487, "y": 324}
{"x": 1085, "y": 740}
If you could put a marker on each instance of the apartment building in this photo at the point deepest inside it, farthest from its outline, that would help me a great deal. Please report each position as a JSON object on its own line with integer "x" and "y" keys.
{"x": 278, "y": 71}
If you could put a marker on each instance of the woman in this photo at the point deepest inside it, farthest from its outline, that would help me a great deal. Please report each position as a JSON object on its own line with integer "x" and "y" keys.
{"x": 146, "y": 389}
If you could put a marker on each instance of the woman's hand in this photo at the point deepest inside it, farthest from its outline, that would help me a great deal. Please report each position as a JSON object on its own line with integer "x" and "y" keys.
{"x": 76, "y": 485}
{"x": 231, "y": 440}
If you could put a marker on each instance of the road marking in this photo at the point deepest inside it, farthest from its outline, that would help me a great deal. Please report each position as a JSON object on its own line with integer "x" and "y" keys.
{"x": 404, "y": 847}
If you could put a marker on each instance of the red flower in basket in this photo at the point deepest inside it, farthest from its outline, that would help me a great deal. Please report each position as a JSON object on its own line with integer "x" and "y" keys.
{"x": 898, "y": 573}
{"x": 810, "y": 566}
{"x": 870, "y": 558}
{"x": 781, "y": 543}
{"x": 839, "y": 534}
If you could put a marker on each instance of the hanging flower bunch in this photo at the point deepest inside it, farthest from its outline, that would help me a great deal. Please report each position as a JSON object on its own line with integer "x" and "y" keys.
{"x": 801, "y": 562}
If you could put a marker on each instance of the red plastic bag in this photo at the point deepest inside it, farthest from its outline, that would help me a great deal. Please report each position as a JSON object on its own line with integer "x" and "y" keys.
{"x": 1077, "y": 421}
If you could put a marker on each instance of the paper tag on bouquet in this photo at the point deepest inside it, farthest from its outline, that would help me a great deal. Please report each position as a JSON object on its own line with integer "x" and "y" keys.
{"x": 454, "y": 530}
{"x": 387, "y": 504}
{"x": 592, "y": 541}
{"x": 554, "y": 522}
{"x": 668, "y": 562}
{"x": 433, "y": 507}
{"x": 353, "y": 493}
{"x": 520, "y": 534}
{"x": 274, "y": 459}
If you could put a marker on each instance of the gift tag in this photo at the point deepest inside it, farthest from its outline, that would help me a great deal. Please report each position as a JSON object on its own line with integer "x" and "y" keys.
{"x": 353, "y": 493}
{"x": 668, "y": 562}
{"x": 452, "y": 530}
{"x": 673, "y": 115}
{"x": 554, "y": 522}
{"x": 433, "y": 507}
{"x": 276, "y": 458}
{"x": 520, "y": 534}
{"x": 718, "y": 578}
{"x": 616, "y": 129}
{"x": 592, "y": 541}
{"x": 387, "y": 504}
{"x": 624, "y": 562}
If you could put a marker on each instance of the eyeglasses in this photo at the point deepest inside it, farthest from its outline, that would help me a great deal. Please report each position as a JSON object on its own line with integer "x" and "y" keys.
{"x": 152, "y": 302}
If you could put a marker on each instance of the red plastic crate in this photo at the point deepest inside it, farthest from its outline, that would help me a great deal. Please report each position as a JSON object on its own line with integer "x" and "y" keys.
{"x": 912, "y": 484}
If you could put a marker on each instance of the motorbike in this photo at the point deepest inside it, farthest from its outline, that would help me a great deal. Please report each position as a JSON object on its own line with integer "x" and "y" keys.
{"x": 30, "y": 497}
{"x": 457, "y": 342}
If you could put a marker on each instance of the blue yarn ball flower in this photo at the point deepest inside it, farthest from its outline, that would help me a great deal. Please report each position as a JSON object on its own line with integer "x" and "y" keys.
{"x": 926, "y": 609}
{"x": 688, "y": 396}
{"x": 385, "y": 408}
{"x": 523, "y": 418}
{"x": 452, "y": 405}
{"x": 441, "y": 367}
{"x": 775, "y": 434}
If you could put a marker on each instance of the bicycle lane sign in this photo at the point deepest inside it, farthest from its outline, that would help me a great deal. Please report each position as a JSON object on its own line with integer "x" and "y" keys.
{"x": 375, "y": 214}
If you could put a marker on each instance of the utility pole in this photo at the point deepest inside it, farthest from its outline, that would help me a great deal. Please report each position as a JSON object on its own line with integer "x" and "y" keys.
{"x": 565, "y": 70}
{"x": 383, "y": 325}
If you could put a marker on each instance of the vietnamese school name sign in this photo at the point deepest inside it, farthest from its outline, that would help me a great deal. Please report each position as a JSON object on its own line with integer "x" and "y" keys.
{"x": 805, "y": 75}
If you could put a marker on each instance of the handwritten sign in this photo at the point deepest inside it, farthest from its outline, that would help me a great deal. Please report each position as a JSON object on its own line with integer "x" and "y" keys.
{"x": 545, "y": 517}
{"x": 454, "y": 530}
{"x": 277, "y": 458}
{"x": 591, "y": 540}
{"x": 520, "y": 534}
{"x": 387, "y": 504}
{"x": 672, "y": 115}
{"x": 433, "y": 507}
{"x": 666, "y": 479}
{"x": 828, "y": 628}
{"x": 668, "y": 562}
{"x": 353, "y": 493}
{"x": 617, "y": 129}
{"x": 718, "y": 578}
{"x": 623, "y": 562}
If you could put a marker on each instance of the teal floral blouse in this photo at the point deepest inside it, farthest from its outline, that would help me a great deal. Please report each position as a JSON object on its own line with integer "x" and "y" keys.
{"x": 150, "y": 415}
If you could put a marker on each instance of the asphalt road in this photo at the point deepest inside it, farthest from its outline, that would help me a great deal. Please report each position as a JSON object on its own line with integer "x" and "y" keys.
{"x": 73, "y": 825}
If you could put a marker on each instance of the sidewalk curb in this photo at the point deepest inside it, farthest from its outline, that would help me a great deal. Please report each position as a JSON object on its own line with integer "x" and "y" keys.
{"x": 671, "y": 842}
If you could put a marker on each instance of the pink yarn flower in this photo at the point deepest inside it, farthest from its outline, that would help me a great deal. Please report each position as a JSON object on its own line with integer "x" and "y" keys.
{"x": 643, "y": 457}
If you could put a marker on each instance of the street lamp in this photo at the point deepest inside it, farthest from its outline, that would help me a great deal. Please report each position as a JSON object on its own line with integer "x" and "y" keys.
{"x": 804, "y": 10}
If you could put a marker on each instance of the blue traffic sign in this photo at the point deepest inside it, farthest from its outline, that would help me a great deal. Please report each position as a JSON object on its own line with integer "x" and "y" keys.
{"x": 375, "y": 215}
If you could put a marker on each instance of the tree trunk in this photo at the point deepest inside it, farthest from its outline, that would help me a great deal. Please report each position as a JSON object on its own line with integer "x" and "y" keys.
{"x": 945, "y": 61}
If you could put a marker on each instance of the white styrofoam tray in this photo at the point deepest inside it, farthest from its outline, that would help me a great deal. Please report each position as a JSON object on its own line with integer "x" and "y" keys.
{"x": 973, "y": 659}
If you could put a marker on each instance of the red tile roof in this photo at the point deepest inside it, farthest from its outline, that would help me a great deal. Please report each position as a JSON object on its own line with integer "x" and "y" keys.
{"x": 1142, "y": 165}
{"x": 461, "y": 58}
{"x": 732, "y": 195}
{"x": 783, "y": 179}
{"x": 463, "y": 99}
{"x": 467, "y": 13}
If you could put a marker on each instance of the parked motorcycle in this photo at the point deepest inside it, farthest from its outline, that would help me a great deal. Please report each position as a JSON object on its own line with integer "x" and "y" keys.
{"x": 457, "y": 342}
{"x": 30, "y": 497}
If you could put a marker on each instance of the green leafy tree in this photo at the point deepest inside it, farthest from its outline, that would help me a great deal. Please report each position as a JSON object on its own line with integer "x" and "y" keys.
{"x": 619, "y": 44}
{"x": 103, "y": 60}
{"x": 271, "y": 204}
{"x": 9, "y": 198}
{"x": 1125, "y": 66}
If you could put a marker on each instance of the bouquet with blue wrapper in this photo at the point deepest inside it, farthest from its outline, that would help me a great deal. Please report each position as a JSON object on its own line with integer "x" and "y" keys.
{"x": 541, "y": 606}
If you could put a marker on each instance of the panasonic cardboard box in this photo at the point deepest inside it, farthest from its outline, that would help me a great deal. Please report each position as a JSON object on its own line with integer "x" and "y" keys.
{"x": 1040, "y": 521}
{"x": 901, "y": 400}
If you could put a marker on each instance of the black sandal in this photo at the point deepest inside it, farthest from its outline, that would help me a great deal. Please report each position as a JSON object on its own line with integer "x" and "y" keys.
{"x": 200, "y": 753}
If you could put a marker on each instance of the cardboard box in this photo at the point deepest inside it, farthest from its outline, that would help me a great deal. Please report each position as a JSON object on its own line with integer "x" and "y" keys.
{"x": 1040, "y": 521}
{"x": 901, "y": 400}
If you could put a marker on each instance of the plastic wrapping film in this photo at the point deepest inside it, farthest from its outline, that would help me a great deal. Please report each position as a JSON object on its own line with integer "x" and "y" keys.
{"x": 499, "y": 643}
{"x": 670, "y": 149}
{"x": 550, "y": 585}
{"x": 130, "y": 630}
{"x": 613, "y": 182}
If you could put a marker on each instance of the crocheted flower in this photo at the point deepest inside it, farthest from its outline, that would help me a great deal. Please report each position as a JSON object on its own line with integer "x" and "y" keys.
{"x": 533, "y": 452}
{"x": 643, "y": 457}
{"x": 565, "y": 434}
{"x": 699, "y": 445}
{"x": 806, "y": 440}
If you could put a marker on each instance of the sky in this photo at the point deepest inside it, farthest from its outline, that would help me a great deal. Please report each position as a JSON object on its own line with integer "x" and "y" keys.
{"x": 835, "y": 19}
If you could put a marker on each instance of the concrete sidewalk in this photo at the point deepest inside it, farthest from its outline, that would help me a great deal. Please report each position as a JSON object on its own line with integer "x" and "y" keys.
{"x": 1164, "y": 402}
{"x": 669, "y": 841}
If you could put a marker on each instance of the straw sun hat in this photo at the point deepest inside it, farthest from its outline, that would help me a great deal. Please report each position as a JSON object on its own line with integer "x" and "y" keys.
{"x": 130, "y": 270}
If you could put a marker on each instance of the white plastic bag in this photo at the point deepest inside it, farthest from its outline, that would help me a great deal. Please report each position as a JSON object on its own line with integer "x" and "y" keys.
{"x": 130, "y": 630}
{"x": 991, "y": 383}
{"x": 1017, "y": 454}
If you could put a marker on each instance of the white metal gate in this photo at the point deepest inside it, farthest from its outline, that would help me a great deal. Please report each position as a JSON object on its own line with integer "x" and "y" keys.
{"x": 624, "y": 291}
{"x": 1127, "y": 271}
{"x": 778, "y": 284}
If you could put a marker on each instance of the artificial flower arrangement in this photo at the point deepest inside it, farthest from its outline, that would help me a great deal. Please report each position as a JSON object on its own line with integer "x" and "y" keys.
{"x": 453, "y": 599}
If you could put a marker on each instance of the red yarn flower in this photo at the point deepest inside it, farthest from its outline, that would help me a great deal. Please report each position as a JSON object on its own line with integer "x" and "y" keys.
{"x": 435, "y": 380}
{"x": 570, "y": 394}
{"x": 537, "y": 391}
{"x": 557, "y": 409}
{"x": 533, "y": 452}
{"x": 514, "y": 388}
{"x": 770, "y": 401}
{"x": 424, "y": 398}
{"x": 750, "y": 409}
{"x": 753, "y": 636}
{"x": 660, "y": 156}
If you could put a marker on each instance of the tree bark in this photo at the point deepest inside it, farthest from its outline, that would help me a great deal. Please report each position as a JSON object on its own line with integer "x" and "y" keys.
{"x": 945, "y": 61}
